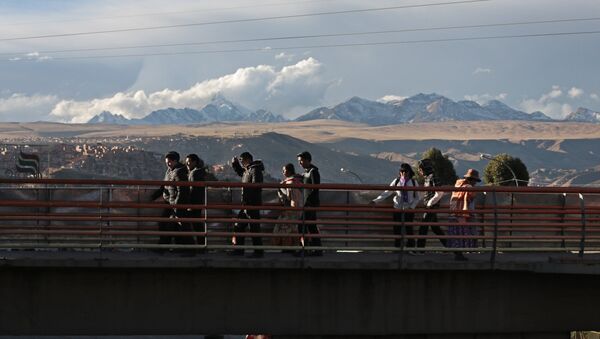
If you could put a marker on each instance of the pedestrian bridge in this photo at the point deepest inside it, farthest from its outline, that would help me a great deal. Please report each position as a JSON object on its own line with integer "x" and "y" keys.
{"x": 79, "y": 258}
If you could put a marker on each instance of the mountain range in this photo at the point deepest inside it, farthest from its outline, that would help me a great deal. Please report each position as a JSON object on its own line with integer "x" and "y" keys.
{"x": 219, "y": 109}
{"x": 418, "y": 108}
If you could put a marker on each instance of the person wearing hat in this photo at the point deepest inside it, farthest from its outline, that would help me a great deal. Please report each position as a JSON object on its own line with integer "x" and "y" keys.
{"x": 462, "y": 203}
{"x": 311, "y": 199}
{"x": 251, "y": 171}
{"x": 431, "y": 200}
{"x": 403, "y": 200}
{"x": 174, "y": 195}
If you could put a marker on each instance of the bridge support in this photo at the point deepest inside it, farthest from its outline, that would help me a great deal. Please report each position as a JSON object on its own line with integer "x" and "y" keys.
{"x": 172, "y": 296}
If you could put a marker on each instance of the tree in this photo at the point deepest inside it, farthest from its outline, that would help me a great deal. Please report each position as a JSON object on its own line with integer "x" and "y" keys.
{"x": 442, "y": 166}
{"x": 498, "y": 171}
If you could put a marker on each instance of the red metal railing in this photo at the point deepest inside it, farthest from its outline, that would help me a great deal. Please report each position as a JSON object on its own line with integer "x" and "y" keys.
{"x": 105, "y": 214}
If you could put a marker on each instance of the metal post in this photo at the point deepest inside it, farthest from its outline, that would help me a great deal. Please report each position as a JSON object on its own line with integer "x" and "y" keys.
{"x": 347, "y": 213}
{"x": 582, "y": 242}
{"x": 206, "y": 217}
{"x": 100, "y": 218}
{"x": 303, "y": 243}
{"x": 495, "y": 240}
{"x": 402, "y": 240}
{"x": 563, "y": 242}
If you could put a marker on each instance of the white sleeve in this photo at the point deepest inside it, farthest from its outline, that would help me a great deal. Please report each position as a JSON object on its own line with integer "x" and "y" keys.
{"x": 385, "y": 194}
{"x": 435, "y": 199}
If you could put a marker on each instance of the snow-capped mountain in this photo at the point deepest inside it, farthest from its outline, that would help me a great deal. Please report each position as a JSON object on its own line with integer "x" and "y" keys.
{"x": 584, "y": 115}
{"x": 418, "y": 108}
{"x": 171, "y": 116}
{"x": 108, "y": 118}
{"x": 357, "y": 110}
{"x": 218, "y": 109}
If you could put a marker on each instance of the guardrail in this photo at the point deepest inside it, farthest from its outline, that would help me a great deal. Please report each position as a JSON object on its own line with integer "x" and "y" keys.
{"x": 103, "y": 215}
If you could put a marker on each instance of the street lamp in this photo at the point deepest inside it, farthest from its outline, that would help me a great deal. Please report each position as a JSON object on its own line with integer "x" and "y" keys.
{"x": 345, "y": 170}
{"x": 490, "y": 158}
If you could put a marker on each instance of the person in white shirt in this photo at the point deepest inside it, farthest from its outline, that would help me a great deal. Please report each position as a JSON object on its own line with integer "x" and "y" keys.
{"x": 403, "y": 200}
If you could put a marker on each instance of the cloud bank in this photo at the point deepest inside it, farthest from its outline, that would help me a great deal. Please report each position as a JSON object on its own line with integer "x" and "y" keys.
{"x": 20, "y": 107}
{"x": 294, "y": 86}
{"x": 549, "y": 104}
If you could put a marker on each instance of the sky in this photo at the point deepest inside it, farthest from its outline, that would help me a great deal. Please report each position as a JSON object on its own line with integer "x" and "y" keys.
{"x": 67, "y": 61}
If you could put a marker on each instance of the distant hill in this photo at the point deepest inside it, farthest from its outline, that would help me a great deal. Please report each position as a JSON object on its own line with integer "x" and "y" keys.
{"x": 419, "y": 108}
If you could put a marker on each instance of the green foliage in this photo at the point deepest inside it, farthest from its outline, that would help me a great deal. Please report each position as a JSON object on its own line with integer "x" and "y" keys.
{"x": 497, "y": 171}
{"x": 442, "y": 166}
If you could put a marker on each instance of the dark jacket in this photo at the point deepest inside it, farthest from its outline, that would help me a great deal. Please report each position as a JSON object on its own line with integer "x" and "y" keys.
{"x": 176, "y": 194}
{"x": 197, "y": 192}
{"x": 253, "y": 173}
{"x": 311, "y": 195}
{"x": 431, "y": 198}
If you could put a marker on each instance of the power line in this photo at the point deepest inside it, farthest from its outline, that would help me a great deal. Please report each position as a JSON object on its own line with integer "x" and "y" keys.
{"x": 136, "y": 29}
{"x": 361, "y": 44}
{"x": 296, "y": 37}
{"x": 168, "y": 13}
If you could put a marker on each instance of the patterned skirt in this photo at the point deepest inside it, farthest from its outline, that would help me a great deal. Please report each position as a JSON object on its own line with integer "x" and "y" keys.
{"x": 461, "y": 231}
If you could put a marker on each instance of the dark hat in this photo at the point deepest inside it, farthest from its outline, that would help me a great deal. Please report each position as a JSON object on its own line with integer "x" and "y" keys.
{"x": 426, "y": 165}
{"x": 472, "y": 174}
{"x": 172, "y": 155}
{"x": 246, "y": 155}
{"x": 305, "y": 155}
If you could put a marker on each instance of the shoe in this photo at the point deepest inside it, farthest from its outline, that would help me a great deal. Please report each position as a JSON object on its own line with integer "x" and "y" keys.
{"x": 236, "y": 253}
{"x": 460, "y": 257}
{"x": 256, "y": 254}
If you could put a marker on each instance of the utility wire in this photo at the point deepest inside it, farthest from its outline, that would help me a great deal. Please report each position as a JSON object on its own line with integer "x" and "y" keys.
{"x": 296, "y": 37}
{"x": 136, "y": 29}
{"x": 166, "y": 13}
{"x": 361, "y": 44}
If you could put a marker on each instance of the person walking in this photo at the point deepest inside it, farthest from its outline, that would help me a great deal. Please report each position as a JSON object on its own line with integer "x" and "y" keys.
{"x": 403, "y": 200}
{"x": 462, "y": 204}
{"x": 431, "y": 200}
{"x": 311, "y": 199}
{"x": 289, "y": 197}
{"x": 251, "y": 171}
{"x": 197, "y": 173}
{"x": 174, "y": 195}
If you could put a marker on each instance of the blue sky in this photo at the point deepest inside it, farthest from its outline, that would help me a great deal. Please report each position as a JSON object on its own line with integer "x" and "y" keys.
{"x": 554, "y": 74}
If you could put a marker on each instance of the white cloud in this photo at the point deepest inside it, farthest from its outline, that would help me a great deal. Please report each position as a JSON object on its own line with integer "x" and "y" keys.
{"x": 20, "y": 107}
{"x": 594, "y": 96}
{"x": 553, "y": 94}
{"x": 548, "y": 104}
{"x": 35, "y": 56}
{"x": 481, "y": 70}
{"x": 391, "y": 97}
{"x": 284, "y": 56}
{"x": 263, "y": 86}
{"x": 575, "y": 92}
{"x": 483, "y": 98}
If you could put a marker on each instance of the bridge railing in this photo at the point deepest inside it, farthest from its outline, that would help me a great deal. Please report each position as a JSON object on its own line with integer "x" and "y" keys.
{"x": 105, "y": 215}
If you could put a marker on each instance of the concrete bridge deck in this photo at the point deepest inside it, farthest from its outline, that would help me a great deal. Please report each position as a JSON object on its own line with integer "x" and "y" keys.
{"x": 552, "y": 262}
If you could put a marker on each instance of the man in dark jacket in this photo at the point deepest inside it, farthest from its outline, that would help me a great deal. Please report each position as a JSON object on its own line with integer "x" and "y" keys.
{"x": 311, "y": 199}
{"x": 174, "y": 195}
{"x": 251, "y": 172}
{"x": 197, "y": 173}
{"x": 431, "y": 200}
